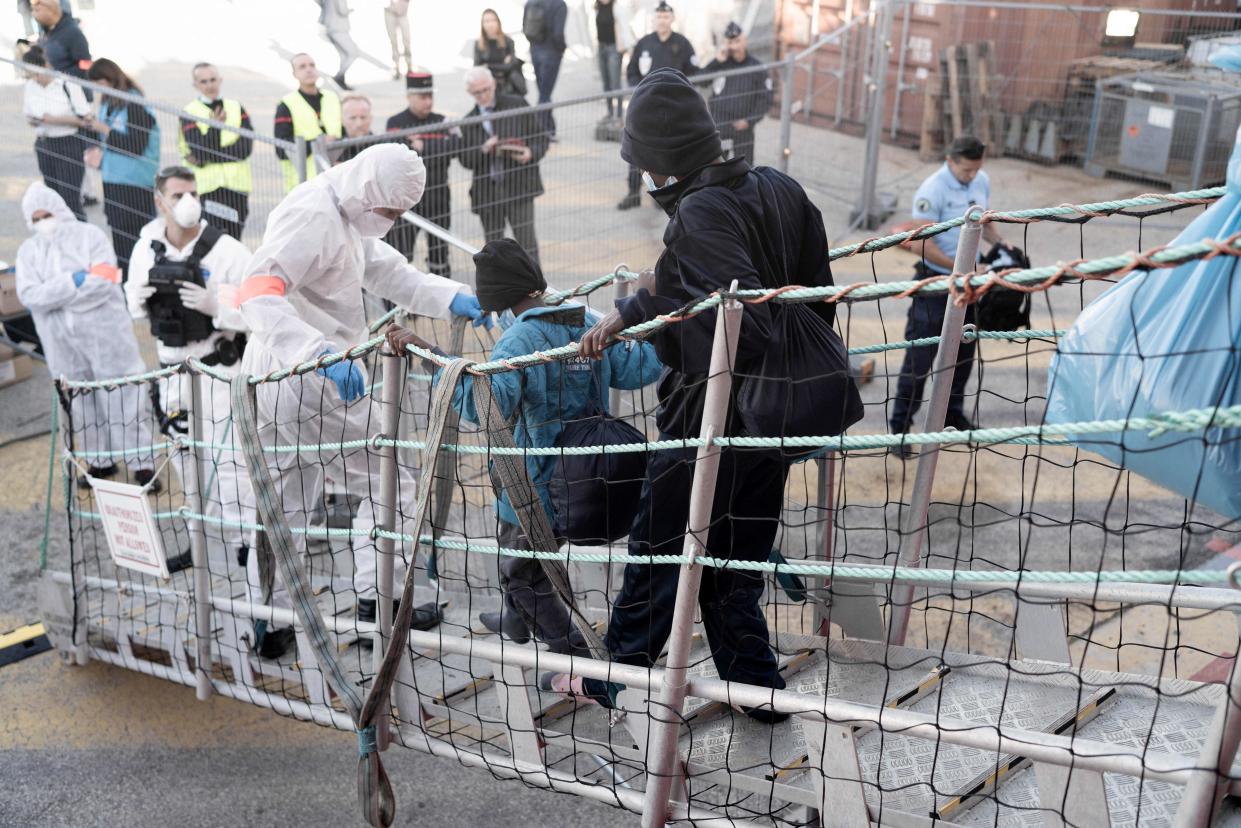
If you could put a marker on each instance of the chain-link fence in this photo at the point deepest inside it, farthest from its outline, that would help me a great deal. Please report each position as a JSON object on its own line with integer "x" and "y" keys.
{"x": 1127, "y": 92}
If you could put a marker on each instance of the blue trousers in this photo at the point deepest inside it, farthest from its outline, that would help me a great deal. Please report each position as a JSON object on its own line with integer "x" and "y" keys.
{"x": 546, "y": 62}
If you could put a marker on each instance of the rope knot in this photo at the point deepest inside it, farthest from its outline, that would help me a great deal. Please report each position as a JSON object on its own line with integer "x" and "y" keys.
{"x": 368, "y": 741}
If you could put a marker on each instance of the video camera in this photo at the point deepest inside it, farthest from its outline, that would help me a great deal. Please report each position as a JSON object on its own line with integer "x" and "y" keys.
{"x": 172, "y": 323}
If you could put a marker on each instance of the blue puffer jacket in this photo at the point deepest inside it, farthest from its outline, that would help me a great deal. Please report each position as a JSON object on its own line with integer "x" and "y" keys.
{"x": 556, "y": 392}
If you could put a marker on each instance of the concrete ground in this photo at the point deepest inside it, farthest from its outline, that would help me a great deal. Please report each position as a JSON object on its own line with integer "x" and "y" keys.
{"x": 97, "y": 745}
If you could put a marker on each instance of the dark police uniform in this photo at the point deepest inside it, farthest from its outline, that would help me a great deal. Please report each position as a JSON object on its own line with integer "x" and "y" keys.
{"x": 438, "y": 149}
{"x": 651, "y": 53}
{"x": 739, "y": 98}
{"x": 939, "y": 198}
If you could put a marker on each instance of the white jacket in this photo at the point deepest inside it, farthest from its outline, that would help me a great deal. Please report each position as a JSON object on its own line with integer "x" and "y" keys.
{"x": 312, "y": 247}
{"x": 226, "y": 263}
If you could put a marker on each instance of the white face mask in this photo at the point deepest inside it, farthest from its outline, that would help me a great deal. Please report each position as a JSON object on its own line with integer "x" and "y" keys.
{"x": 47, "y": 226}
{"x": 371, "y": 225}
{"x": 651, "y": 186}
{"x": 187, "y": 211}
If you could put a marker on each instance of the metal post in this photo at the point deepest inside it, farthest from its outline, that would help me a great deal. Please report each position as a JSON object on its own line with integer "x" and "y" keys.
{"x": 299, "y": 158}
{"x": 786, "y": 113}
{"x": 825, "y": 498}
{"x": 390, "y": 414}
{"x": 198, "y": 540}
{"x": 614, "y": 401}
{"x": 844, "y": 64}
{"x": 865, "y": 214}
{"x": 1210, "y": 782}
{"x": 665, "y": 730}
{"x": 941, "y": 389}
{"x": 901, "y": 87}
{"x": 808, "y": 98}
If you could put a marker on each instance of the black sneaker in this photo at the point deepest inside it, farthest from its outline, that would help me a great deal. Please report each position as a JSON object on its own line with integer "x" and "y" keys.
{"x": 508, "y": 624}
{"x": 903, "y": 450}
{"x": 629, "y": 202}
{"x": 179, "y": 562}
{"x": 340, "y": 81}
{"x": 426, "y": 616}
{"x": 99, "y": 472}
{"x": 959, "y": 421}
{"x": 144, "y": 476}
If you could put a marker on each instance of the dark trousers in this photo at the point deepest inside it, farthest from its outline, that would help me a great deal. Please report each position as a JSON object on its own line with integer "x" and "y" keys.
{"x": 517, "y": 213}
{"x": 403, "y": 236}
{"x": 743, "y": 142}
{"x": 128, "y": 209}
{"x": 529, "y": 593}
{"x": 635, "y": 180}
{"x": 546, "y": 62}
{"x": 745, "y": 517}
{"x": 227, "y": 210}
{"x": 926, "y": 318}
{"x": 60, "y": 163}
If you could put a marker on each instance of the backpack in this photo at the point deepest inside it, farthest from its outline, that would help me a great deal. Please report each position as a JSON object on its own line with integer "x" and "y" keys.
{"x": 534, "y": 22}
{"x": 1001, "y": 308}
{"x": 595, "y": 497}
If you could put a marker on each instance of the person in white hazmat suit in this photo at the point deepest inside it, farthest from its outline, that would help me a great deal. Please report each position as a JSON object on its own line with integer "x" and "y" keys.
{"x": 67, "y": 277}
{"x": 303, "y": 298}
{"x": 179, "y": 237}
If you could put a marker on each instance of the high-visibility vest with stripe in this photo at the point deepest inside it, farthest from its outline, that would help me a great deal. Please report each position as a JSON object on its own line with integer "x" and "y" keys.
{"x": 230, "y": 175}
{"x": 309, "y": 125}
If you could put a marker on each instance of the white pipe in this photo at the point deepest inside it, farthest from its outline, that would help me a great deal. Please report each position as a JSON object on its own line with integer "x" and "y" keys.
{"x": 1058, "y": 750}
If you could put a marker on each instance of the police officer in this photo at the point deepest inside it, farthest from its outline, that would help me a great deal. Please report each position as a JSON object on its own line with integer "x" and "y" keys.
{"x": 958, "y": 184}
{"x": 738, "y": 102}
{"x": 661, "y": 49}
{"x": 220, "y": 159}
{"x": 437, "y": 150}
{"x": 306, "y": 112}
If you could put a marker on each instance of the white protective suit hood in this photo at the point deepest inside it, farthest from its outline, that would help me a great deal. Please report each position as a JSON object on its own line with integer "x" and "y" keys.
{"x": 38, "y": 197}
{"x": 385, "y": 175}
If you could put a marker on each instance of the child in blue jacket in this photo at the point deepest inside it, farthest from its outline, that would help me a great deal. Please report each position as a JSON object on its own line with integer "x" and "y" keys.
{"x": 544, "y": 397}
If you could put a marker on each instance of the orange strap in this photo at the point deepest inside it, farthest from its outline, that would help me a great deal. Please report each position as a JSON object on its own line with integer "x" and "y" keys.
{"x": 106, "y": 271}
{"x": 259, "y": 286}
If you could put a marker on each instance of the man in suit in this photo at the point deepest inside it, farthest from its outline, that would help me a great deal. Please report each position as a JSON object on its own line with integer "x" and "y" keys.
{"x": 504, "y": 155}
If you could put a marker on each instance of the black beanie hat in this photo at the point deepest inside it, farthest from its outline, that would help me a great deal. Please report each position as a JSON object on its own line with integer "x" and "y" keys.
{"x": 668, "y": 129}
{"x": 504, "y": 275}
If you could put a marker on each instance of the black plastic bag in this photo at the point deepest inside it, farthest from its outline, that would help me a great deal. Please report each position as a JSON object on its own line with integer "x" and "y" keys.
{"x": 802, "y": 387}
{"x": 595, "y": 497}
{"x": 1001, "y": 308}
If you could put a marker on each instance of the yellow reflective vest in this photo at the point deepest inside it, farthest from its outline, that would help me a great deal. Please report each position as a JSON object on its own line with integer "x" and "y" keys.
{"x": 230, "y": 175}
{"x": 309, "y": 125}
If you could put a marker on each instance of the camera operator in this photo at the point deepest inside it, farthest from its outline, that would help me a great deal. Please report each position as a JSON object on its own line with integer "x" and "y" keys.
{"x": 183, "y": 276}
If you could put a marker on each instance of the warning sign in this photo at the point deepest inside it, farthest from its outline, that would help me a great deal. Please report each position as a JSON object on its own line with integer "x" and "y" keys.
{"x": 133, "y": 539}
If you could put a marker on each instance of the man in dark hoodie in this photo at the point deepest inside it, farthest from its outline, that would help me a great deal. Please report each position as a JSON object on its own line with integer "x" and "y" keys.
{"x": 728, "y": 221}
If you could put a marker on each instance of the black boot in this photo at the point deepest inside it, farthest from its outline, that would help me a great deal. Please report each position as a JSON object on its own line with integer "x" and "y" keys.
{"x": 99, "y": 473}
{"x": 629, "y": 202}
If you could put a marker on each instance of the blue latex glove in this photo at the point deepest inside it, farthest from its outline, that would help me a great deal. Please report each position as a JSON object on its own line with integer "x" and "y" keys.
{"x": 205, "y": 272}
{"x": 463, "y": 304}
{"x": 78, "y": 278}
{"x": 348, "y": 378}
